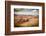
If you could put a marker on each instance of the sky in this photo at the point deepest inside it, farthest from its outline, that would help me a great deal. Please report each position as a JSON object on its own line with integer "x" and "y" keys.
{"x": 34, "y": 12}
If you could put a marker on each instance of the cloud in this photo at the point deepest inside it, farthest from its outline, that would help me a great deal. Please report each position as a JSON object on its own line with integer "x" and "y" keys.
{"x": 33, "y": 12}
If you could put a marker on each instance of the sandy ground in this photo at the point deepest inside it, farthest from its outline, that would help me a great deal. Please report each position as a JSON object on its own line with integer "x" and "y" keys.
{"x": 31, "y": 21}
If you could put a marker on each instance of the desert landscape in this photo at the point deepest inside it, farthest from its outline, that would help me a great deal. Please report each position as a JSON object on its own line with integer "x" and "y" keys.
{"x": 26, "y": 17}
{"x": 26, "y": 21}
